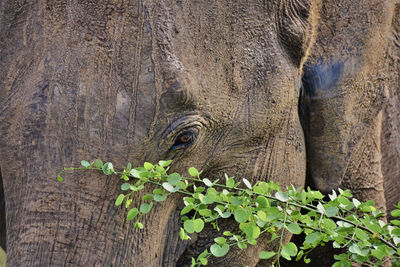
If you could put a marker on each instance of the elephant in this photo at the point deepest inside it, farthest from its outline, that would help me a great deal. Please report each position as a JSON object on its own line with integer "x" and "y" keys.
{"x": 349, "y": 105}
{"x": 255, "y": 89}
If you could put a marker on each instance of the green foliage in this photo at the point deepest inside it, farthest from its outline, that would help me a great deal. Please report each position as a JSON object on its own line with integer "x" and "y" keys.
{"x": 2, "y": 258}
{"x": 261, "y": 208}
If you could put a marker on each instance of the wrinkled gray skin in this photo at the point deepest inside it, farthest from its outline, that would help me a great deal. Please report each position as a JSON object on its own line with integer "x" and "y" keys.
{"x": 350, "y": 77}
{"x": 131, "y": 81}
{"x": 345, "y": 87}
{"x": 350, "y": 104}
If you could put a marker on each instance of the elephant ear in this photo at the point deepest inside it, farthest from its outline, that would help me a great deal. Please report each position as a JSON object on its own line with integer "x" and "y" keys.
{"x": 297, "y": 21}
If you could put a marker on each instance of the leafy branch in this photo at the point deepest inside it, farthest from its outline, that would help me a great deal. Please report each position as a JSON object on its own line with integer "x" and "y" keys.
{"x": 262, "y": 208}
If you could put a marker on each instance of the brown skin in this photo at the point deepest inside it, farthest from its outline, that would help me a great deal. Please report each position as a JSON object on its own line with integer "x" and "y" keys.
{"x": 346, "y": 81}
{"x": 122, "y": 82}
{"x": 134, "y": 82}
{"x": 391, "y": 117}
{"x": 344, "y": 95}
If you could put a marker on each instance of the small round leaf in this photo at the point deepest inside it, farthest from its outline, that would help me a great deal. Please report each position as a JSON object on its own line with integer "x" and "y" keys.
{"x": 265, "y": 255}
{"x": 219, "y": 251}
{"x": 193, "y": 172}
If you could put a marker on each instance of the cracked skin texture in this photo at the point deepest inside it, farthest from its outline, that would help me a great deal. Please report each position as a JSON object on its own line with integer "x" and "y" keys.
{"x": 120, "y": 80}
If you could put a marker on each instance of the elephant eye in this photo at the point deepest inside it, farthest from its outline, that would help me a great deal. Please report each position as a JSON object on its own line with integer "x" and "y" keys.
{"x": 184, "y": 139}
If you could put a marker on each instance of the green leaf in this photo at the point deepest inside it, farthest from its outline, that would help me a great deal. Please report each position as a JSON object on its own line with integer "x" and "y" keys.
{"x": 219, "y": 251}
{"x": 85, "y": 164}
{"x": 125, "y": 177}
{"x": 265, "y": 255}
{"x": 357, "y": 250}
{"x": 395, "y": 213}
{"x": 281, "y": 196}
{"x": 164, "y": 163}
{"x": 132, "y": 214}
{"x": 108, "y": 168}
{"x": 294, "y": 228}
{"x": 333, "y": 196}
{"x": 148, "y": 166}
{"x": 205, "y": 212}
{"x": 262, "y": 215}
{"x": 360, "y": 234}
{"x": 356, "y": 202}
{"x": 128, "y": 167}
{"x": 262, "y": 201}
{"x": 289, "y": 250}
{"x": 188, "y": 225}
{"x": 158, "y": 191}
{"x": 138, "y": 225}
{"x": 169, "y": 187}
{"x": 193, "y": 172}
{"x": 317, "y": 195}
{"x": 329, "y": 224}
{"x": 312, "y": 238}
{"x": 220, "y": 240}
{"x": 125, "y": 186}
{"x": 147, "y": 197}
{"x": 241, "y": 215}
{"x": 227, "y": 233}
{"x": 135, "y": 173}
{"x": 395, "y": 222}
{"x": 378, "y": 253}
{"x": 242, "y": 245}
{"x": 128, "y": 203}
{"x": 247, "y": 183}
{"x": 59, "y": 178}
{"x": 145, "y": 208}
{"x": 199, "y": 189}
{"x": 299, "y": 255}
{"x": 186, "y": 209}
{"x": 210, "y": 197}
{"x": 119, "y": 199}
{"x": 251, "y": 230}
{"x": 230, "y": 182}
{"x": 342, "y": 264}
{"x": 207, "y": 182}
{"x": 320, "y": 208}
{"x": 98, "y": 164}
{"x": 174, "y": 178}
{"x": 236, "y": 201}
{"x": 331, "y": 211}
{"x": 203, "y": 261}
{"x": 160, "y": 198}
{"x": 198, "y": 225}
{"x": 160, "y": 170}
{"x": 264, "y": 187}
{"x": 183, "y": 235}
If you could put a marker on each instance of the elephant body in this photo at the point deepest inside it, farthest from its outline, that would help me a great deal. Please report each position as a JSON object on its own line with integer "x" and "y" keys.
{"x": 214, "y": 85}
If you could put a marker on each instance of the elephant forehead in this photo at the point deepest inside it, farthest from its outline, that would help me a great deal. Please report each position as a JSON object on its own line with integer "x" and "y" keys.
{"x": 226, "y": 61}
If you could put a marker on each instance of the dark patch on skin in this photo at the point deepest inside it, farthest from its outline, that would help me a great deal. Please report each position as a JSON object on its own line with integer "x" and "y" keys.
{"x": 320, "y": 77}
{"x": 317, "y": 83}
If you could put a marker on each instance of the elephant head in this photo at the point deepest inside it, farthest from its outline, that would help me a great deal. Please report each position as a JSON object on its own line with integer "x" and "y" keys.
{"x": 212, "y": 85}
